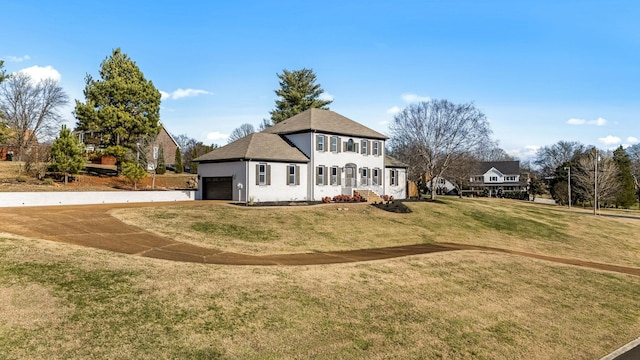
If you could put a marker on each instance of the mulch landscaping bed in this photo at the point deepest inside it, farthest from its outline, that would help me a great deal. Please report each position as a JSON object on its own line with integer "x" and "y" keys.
{"x": 393, "y": 206}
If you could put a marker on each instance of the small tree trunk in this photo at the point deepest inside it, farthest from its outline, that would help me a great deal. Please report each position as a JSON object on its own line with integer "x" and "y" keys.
{"x": 433, "y": 190}
{"x": 66, "y": 176}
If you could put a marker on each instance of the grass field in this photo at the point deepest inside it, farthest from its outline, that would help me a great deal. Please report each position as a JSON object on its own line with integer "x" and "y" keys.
{"x": 62, "y": 301}
{"x": 507, "y": 224}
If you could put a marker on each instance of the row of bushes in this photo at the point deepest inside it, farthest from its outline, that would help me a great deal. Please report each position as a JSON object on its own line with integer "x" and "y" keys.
{"x": 509, "y": 194}
{"x": 344, "y": 198}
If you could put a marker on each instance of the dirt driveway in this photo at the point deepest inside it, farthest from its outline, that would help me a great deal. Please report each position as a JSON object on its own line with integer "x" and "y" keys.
{"x": 92, "y": 226}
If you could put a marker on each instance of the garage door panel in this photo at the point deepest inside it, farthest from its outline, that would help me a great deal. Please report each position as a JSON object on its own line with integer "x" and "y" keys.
{"x": 218, "y": 188}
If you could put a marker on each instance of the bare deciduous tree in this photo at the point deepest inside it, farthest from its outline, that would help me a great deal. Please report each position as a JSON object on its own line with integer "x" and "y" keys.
{"x": 461, "y": 171}
{"x": 240, "y": 132}
{"x": 548, "y": 158}
{"x": 493, "y": 152}
{"x": 431, "y": 136}
{"x": 31, "y": 109}
{"x": 607, "y": 175}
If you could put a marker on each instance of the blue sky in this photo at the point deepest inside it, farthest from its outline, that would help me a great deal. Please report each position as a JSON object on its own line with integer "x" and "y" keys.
{"x": 541, "y": 71}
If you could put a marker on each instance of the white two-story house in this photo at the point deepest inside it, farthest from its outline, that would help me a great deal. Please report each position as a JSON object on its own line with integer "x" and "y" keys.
{"x": 315, "y": 154}
{"x": 496, "y": 177}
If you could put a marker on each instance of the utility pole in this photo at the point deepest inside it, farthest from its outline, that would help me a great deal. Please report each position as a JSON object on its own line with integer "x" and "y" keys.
{"x": 595, "y": 182}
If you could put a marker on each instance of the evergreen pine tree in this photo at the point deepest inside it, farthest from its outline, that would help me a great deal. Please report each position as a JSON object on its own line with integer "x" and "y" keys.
{"x": 134, "y": 172}
{"x": 626, "y": 196}
{"x": 123, "y": 106}
{"x": 298, "y": 92}
{"x": 178, "y": 162}
{"x": 67, "y": 154}
{"x": 161, "y": 167}
{"x": 194, "y": 165}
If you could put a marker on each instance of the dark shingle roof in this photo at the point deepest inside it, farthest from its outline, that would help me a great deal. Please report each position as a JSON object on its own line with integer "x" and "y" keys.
{"x": 393, "y": 162}
{"x": 256, "y": 146}
{"x": 326, "y": 121}
{"x": 505, "y": 167}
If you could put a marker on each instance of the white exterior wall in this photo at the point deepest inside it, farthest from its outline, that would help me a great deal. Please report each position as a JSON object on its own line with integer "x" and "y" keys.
{"x": 340, "y": 159}
{"x": 448, "y": 185}
{"x": 278, "y": 190}
{"x": 397, "y": 191}
{"x": 236, "y": 170}
{"x": 493, "y": 172}
{"x": 18, "y": 199}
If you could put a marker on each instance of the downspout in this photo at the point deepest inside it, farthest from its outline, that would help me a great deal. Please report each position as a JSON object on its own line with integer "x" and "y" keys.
{"x": 246, "y": 180}
{"x": 311, "y": 169}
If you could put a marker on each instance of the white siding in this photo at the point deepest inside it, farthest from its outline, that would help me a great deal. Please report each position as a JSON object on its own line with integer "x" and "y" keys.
{"x": 278, "y": 190}
{"x": 397, "y": 191}
{"x": 340, "y": 159}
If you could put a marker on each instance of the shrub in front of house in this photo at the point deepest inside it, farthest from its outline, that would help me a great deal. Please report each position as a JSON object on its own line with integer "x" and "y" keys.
{"x": 347, "y": 198}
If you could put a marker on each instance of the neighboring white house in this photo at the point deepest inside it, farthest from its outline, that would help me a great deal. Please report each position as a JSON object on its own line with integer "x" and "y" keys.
{"x": 314, "y": 154}
{"x": 497, "y": 176}
{"x": 443, "y": 186}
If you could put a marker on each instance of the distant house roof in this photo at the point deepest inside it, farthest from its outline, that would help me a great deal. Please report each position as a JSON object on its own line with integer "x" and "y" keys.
{"x": 505, "y": 167}
{"x": 327, "y": 121}
{"x": 393, "y": 162}
{"x": 256, "y": 146}
{"x": 162, "y": 127}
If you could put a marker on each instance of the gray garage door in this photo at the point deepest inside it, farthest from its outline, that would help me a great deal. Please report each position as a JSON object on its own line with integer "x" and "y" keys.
{"x": 218, "y": 188}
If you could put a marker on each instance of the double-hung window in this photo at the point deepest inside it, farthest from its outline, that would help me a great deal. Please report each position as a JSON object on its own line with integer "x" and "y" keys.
{"x": 321, "y": 174}
{"x": 262, "y": 174}
{"x": 363, "y": 147}
{"x": 293, "y": 175}
{"x": 376, "y": 148}
{"x": 320, "y": 142}
{"x": 376, "y": 176}
{"x": 364, "y": 178}
{"x": 393, "y": 177}
{"x": 335, "y": 171}
{"x": 334, "y": 144}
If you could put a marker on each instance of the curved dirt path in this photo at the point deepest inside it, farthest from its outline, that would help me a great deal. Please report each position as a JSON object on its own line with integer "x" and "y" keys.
{"x": 92, "y": 226}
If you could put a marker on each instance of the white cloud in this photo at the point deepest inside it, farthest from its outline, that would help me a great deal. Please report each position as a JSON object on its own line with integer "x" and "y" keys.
{"x": 38, "y": 73}
{"x": 411, "y": 98}
{"x": 393, "y": 110}
{"x": 576, "y": 121}
{"x": 326, "y": 96}
{"x": 610, "y": 140}
{"x": 213, "y": 136}
{"x": 527, "y": 152}
{"x": 597, "y": 122}
{"x": 632, "y": 140}
{"x": 17, "y": 58}
{"x": 182, "y": 93}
